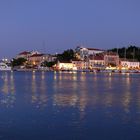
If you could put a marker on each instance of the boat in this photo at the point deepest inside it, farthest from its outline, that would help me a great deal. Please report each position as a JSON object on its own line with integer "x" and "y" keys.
{"x": 4, "y": 67}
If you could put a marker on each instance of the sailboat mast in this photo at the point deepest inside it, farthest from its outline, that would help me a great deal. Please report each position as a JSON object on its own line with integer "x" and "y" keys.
{"x": 117, "y": 51}
{"x": 125, "y": 53}
{"x": 133, "y": 54}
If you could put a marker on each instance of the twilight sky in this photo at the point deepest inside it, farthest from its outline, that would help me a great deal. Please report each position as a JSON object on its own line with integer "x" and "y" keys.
{"x": 55, "y": 25}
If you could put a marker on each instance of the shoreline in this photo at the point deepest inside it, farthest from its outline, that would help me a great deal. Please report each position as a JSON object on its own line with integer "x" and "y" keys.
{"x": 76, "y": 71}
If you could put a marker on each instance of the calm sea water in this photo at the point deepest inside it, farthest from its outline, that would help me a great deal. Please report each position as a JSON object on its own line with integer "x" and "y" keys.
{"x": 69, "y": 106}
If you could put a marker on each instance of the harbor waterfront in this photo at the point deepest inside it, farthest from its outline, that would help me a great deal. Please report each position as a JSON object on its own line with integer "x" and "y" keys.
{"x": 80, "y": 59}
{"x": 73, "y": 106}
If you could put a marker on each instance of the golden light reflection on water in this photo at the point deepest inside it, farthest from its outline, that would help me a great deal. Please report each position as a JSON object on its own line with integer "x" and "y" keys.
{"x": 109, "y": 80}
{"x": 126, "y": 101}
{"x": 65, "y": 76}
{"x": 12, "y": 83}
{"x": 138, "y": 99}
{"x": 8, "y": 90}
{"x": 34, "y": 82}
{"x": 65, "y": 100}
{"x": 83, "y": 76}
{"x": 108, "y": 100}
{"x": 39, "y": 95}
{"x": 127, "y": 95}
{"x": 74, "y": 77}
{"x": 5, "y": 87}
{"x": 108, "y": 91}
{"x": 76, "y": 95}
{"x": 60, "y": 76}
{"x": 55, "y": 76}
{"x": 77, "y": 90}
{"x": 42, "y": 75}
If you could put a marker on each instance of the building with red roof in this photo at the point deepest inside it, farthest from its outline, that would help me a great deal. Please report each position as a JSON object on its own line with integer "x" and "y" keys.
{"x": 24, "y": 54}
{"x": 83, "y": 53}
{"x": 36, "y": 59}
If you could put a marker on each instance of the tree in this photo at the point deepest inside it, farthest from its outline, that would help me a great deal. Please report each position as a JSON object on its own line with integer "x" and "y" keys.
{"x": 66, "y": 55}
{"x": 48, "y": 64}
{"x": 18, "y": 62}
{"x": 131, "y": 52}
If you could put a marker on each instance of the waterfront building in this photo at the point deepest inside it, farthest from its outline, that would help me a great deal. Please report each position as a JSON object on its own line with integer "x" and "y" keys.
{"x": 93, "y": 61}
{"x": 96, "y": 61}
{"x": 111, "y": 59}
{"x": 83, "y": 53}
{"x": 36, "y": 59}
{"x": 24, "y": 54}
{"x": 35, "y": 52}
{"x": 50, "y": 58}
{"x": 130, "y": 64}
{"x": 78, "y": 64}
{"x": 85, "y": 65}
{"x": 63, "y": 65}
{"x": 27, "y": 54}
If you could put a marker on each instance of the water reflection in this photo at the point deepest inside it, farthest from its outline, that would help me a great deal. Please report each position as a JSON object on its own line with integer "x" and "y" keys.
{"x": 12, "y": 83}
{"x": 94, "y": 91}
{"x": 65, "y": 100}
{"x": 7, "y": 90}
{"x": 81, "y": 91}
{"x": 34, "y": 86}
{"x": 5, "y": 85}
{"x": 39, "y": 94}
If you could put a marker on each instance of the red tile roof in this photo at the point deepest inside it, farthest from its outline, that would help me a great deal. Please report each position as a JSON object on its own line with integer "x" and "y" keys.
{"x": 98, "y": 57}
{"x": 111, "y": 53}
{"x": 24, "y": 53}
{"x": 95, "y": 49}
{"x": 37, "y": 55}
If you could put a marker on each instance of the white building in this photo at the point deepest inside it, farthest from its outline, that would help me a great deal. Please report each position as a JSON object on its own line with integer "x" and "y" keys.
{"x": 97, "y": 61}
{"x": 65, "y": 66}
{"x": 78, "y": 64}
{"x": 50, "y": 58}
{"x": 83, "y": 53}
{"x": 130, "y": 64}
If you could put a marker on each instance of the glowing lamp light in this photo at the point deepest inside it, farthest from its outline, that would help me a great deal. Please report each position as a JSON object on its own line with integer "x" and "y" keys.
{"x": 34, "y": 63}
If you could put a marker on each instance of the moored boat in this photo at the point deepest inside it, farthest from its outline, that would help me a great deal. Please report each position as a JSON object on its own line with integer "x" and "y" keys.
{"x": 4, "y": 67}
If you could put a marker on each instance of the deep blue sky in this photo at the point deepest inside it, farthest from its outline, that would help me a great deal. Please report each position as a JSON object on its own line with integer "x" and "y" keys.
{"x": 63, "y": 24}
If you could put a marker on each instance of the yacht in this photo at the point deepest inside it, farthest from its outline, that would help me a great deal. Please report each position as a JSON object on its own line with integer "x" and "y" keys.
{"x": 4, "y": 67}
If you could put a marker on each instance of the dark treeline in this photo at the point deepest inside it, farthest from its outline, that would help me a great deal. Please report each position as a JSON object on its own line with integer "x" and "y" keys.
{"x": 131, "y": 52}
{"x": 67, "y": 55}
